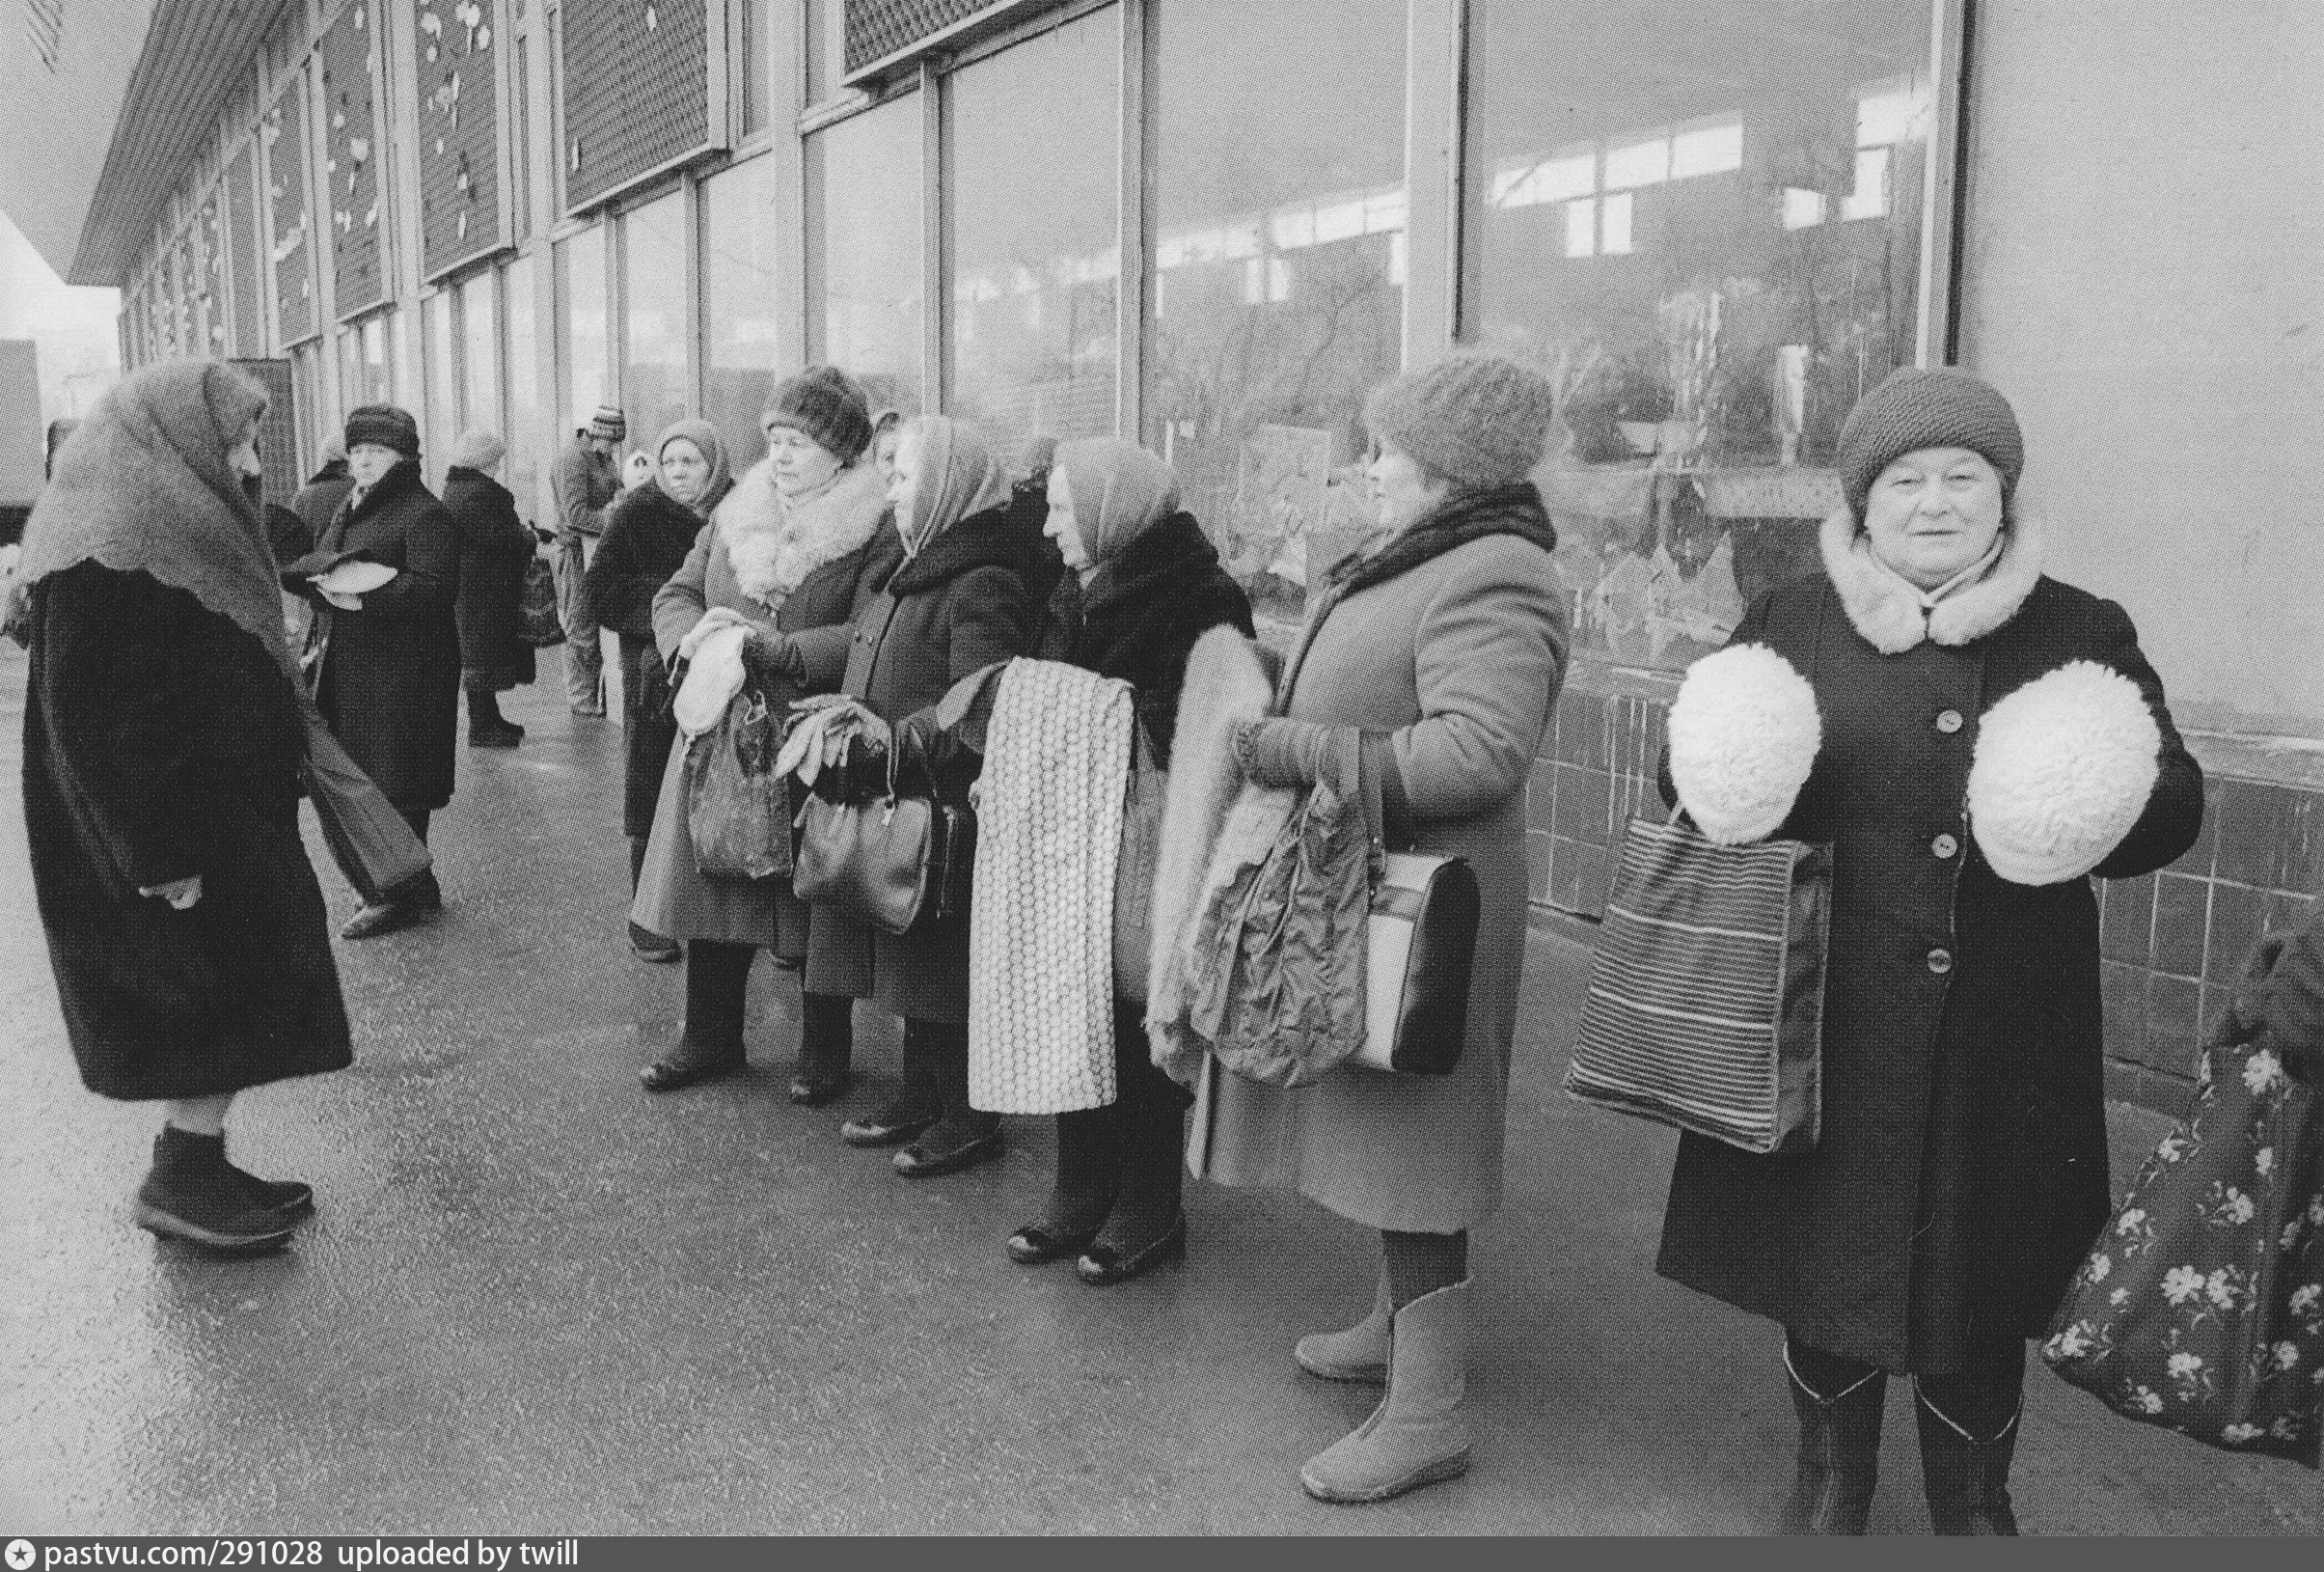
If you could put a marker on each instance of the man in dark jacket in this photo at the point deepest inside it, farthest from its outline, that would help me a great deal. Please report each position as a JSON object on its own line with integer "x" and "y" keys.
{"x": 584, "y": 482}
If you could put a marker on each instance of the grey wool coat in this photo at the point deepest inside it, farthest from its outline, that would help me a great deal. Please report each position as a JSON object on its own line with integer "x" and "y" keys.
{"x": 1457, "y": 663}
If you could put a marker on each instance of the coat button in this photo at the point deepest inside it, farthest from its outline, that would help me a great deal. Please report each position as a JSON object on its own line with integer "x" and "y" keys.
{"x": 1944, "y": 846}
{"x": 1940, "y": 961}
{"x": 1949, "y": 721}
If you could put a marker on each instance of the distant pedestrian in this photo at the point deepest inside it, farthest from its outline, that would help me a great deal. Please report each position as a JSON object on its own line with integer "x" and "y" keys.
{"x": 1976, "y": 739}
{"x": 1441, "y": 647}
{"x": 583, "y": 482}
{"x": 325, "y": 490}
{"x": 163, "y": 743}
{"x": 648, "y": 534}
{"x": 386, "y": 661}
{"x": 495, "y": 547}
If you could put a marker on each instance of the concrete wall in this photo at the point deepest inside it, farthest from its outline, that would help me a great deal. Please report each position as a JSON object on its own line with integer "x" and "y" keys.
{"x": 2144, "y": 275}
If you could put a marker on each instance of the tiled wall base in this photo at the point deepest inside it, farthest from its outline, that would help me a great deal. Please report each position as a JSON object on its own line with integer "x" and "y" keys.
{"x": 2172, "y": 942}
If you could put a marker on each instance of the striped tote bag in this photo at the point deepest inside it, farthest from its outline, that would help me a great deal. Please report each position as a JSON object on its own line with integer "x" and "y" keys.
{"x": 1706, "y": 1003}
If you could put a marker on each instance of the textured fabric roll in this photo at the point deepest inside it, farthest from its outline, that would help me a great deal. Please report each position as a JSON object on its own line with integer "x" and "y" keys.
{"x": 1475, "y": 420}
{"x": 1919, "y": 407}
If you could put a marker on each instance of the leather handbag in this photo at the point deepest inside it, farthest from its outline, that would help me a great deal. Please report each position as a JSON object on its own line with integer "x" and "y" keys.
{"x": 1421, "y": 952}
{"x": 537, "y": 623}
{"x": 1706, "y": 1003}
{"x": 894, "y": 864}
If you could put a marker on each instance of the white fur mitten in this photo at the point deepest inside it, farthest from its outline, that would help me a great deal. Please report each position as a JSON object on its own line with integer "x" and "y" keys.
{"x": 2064, "y": 768}
{"x": 1743, "y": 734}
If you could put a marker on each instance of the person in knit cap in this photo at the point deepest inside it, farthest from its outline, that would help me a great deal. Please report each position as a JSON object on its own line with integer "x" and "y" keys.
{"x": 1436, "y": 651}
{"x": 495, "y": 547}
{"x": 162, "y": 749}
{"x": 1973, "y": 739}
{"x": 584, "y": 483}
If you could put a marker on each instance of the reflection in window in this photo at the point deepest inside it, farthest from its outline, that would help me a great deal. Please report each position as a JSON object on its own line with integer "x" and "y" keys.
{"x": 739, "y": 236}
{"x": 1034, "y": 241}
{"x": 863, "y": 184}
{"x": 480, "y": 354}
{"x": 583, "y": 343}
{"x": 1711, "y": 266}
{"x": 654, "y": 389}
{"x": 1279, "y": 258}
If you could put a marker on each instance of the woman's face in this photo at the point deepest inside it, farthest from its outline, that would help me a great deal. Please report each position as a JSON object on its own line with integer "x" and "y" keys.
{"x": 801, "y": 462}
{"x": 1401, "y": 489}
{"x": 883, "y": 450}
{"x": 1933, "y": 512}
{"x": 1063, "y": 526}
{"x": 904, "y": 485}
{"x": 684, "y": 470}
{"x": 243, "y": 456}
{"x": 368, "y": 461}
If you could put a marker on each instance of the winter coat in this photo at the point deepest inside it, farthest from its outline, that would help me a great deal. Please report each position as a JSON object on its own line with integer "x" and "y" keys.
{"x": 960, "y": 605}
{"x": 1456, "y": 662}
{"x": 163, "y": 741}
{"x": 583, "y": 483}
{"x": 319, "y": 498}
{"x": 389, "y": 681}
{"x": 495, "y": 547}
{"x": 1960, "y": 1174}
{"x": 855, "y": 550}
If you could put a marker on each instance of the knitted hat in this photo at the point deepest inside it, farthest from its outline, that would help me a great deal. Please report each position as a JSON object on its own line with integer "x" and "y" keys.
{"x": 386, "y": 425}
{"x": 1916, "y": 408}
{"x": 824, "y": 403}
{"x": 1476, "y": 420}
{"x": 609, "y": 423}
{"x": 477, "y": 450}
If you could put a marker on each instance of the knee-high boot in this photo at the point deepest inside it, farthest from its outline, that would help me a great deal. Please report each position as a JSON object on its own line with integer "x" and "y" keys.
{"x": 718, "y": 979}
{"x": 1839, "y": 1453}
{"x": 963, "y": 1136}
{"x": 827, "y": 1047}
{"x": 1966, "y": 1481}
{"x": 1417, "y": 1435}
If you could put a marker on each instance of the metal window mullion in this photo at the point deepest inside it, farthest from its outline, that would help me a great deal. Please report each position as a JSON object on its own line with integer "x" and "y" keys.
{"x": 1133, "y": 196}
{"x": 697, "y": 295}
{"x": 1944, "y": 184}
{"x": 1434, "y": 47}
{"x": 935, "y": 243}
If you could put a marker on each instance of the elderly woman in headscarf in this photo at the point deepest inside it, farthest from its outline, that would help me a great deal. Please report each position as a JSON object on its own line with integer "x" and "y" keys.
{"x": 495, "y": 545}
{"x": 649, "y": 532}
{"x": 792, "y": 553}
{"x": 162, "y": 742}
{"x": 1147, "y": 584}
{"x": 961, "y": 601}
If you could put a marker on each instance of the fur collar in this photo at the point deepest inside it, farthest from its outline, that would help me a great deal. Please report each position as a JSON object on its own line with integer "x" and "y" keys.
{"x": 773, "y": 545}
{"x": 1885, "y": 610}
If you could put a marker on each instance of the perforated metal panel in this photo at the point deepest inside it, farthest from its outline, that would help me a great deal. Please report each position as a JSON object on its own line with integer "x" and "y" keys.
{"x": 879, "y": 28}
{"x": 637, "y": 91}
{"x": 243, "y": 251}
{"x": 283, "y": 135}
{"x": 351, "y": 160}
{"x": 458, "y": 46}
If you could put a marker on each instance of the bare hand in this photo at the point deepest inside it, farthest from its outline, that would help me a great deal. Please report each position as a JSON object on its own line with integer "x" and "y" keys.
{"x": 181, "y": 894}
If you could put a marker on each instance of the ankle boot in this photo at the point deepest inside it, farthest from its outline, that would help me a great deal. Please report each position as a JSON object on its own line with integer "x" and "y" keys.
{"x": 1358, "y": 1353}
{"x": 1966, "y": 1481}
{"x": 918, "y": 1103}
{"x": 827, "y": 1048}
{"x": 1417, "y": 1435}
{"x": 718, "y": 979}
{"x": 964, "y": 1136}
{"x": 1838, "y": 1455}
{"x": 192, "y": 1193}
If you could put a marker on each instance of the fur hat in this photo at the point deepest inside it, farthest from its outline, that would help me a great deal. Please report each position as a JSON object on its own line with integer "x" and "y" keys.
{"x": 1917, "y": 407}
{"x": 824, "y": 403}
{"x": 477, "y": 450}
{"x": 608, "y": 423}
{"x": 1743, "y": 734}
{"x": 386, "y": 425}
{"x": 2062, "y": 770}
{"x": 1476, "y": 420}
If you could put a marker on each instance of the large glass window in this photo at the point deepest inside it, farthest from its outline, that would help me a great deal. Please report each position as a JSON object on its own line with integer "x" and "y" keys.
{"x": 1711, "y": 264}
{"x": 480, "y": 353}
{"x": 738, "y": 237}
{"x": 1278, "y": 261}
{"x": 584, "y": 344}
{"x": 1035, "y": 210}
{"x": 654, "y": 383}
{"x": 439, "y": 412}
{"x": 866, "y": 294}
{"x": 529, "y": 437}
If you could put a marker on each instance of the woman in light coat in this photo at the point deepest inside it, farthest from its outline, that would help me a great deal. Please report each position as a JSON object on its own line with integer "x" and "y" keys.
{"x": 1444, "y": 645}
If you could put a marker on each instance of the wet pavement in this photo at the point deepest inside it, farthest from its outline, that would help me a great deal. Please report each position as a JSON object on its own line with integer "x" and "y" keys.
{"x": 537, "y": 1301}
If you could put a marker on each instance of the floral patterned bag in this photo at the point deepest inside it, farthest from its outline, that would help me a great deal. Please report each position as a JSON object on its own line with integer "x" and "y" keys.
{"x": 2202, "y": 1307}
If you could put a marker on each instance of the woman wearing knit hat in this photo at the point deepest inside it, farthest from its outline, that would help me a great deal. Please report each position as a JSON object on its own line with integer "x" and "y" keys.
{"x": 1440, "y": 647}
{"x": 793, "y": 552}
{"x": 495, "y": 545}
{"x": 1975, "y": 740}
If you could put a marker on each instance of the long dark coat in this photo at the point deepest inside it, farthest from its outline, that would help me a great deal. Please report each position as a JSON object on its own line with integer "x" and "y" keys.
{"x": 389, "y": 678}
{"x": 163, "y": 741}
{"x": 960, "y": 605}
{"x": 319, "y": 498}
{"x": 495, "y": 545}
{"x": 648, "y": 537}
{"x": 1961, "y": 1172}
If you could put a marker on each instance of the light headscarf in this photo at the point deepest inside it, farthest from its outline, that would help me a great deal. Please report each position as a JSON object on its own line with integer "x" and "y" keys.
{"x": 958, "y": 475}
{"x": 705, "y": 438}
{"x": 143, "y": 486}
{"x": 1119, "y": 492}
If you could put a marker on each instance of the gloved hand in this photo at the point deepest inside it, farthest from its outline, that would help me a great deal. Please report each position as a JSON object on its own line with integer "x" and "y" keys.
{"x": 716, "y": 618}
{"x": 1274, "y": 752}
{"x": 772, "y": 655}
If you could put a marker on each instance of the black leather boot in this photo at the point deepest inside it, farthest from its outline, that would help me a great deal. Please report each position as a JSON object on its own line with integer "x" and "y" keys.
{"x": 1966, "y": 1481}
{"x": 718, "y": 978}
{"x": 1838, "y": 1455}
{"x": 827, "y": 1048}
{"x": 192, "y": 1192}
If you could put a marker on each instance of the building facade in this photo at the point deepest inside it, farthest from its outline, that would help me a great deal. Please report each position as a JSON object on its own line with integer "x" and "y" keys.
{"x": 1213, "y": 223}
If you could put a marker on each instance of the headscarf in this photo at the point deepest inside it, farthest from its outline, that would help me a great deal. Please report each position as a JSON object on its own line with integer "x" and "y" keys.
{"x": 958, "y": 477}
{"x": 1119, "y": 492}
{"x": 477, "y": 450}
{"x": 705, "y": 438}
{"x": 144, "y": 487}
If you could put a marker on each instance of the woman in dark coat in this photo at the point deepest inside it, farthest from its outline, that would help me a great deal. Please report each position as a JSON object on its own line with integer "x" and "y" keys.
{"x": 960, "y": 602}
{"x": 1989, "y": 737}
{"x": 1146, "y": 584}
{"x": 325, "y": 490}
{"x": 649, "y": 532}
{"x": 386, "y": 663}
{"x": 794, "y": 552}
{"x": 495, "y": 546}
{"x": 162, "y": 745}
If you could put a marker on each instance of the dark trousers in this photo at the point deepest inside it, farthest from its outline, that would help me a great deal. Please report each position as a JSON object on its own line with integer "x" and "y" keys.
{"x": 417, "y": 818}
{"x": 1979, "y": 1399}
{"x": 718, "y": 982}
{"x": 1124, "y": 1161}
